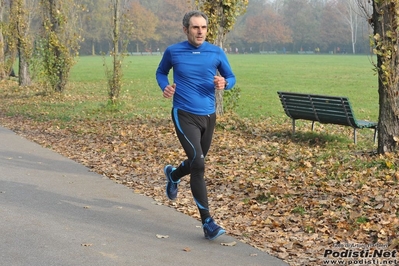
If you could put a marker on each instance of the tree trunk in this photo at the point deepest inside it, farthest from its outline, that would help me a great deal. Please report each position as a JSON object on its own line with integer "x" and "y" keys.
{"x": 2, "y": 58}
{"x": 55, "y": 28}
{"x": 23, "y": 43}
{"x": 219, "y": 40}
{"x": 2, "y": 46}
{"x": 219, "y": 102}
{"x": 23, "y": 72}
{"x": 114, "y": 81}
{"x": 93, "y": 49}
{"x": 388, "y": 84}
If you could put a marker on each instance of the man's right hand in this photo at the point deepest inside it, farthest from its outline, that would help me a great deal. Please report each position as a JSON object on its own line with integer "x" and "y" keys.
{"x": 169, "y": 90}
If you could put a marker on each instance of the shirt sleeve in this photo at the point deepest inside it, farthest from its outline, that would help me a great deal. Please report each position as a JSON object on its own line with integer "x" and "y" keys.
{"x": 226, "y": 71}
{"x": 163, "y": 70}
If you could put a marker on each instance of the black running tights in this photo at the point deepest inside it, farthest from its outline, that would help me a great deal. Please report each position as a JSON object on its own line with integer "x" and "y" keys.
{"x": 195, "y": 134}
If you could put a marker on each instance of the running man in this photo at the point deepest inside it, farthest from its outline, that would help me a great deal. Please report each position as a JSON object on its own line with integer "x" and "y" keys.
{"x": 196, "y": 64}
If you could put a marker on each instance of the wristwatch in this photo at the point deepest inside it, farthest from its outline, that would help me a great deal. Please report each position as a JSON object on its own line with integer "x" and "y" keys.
{"x": 227, "y": 84}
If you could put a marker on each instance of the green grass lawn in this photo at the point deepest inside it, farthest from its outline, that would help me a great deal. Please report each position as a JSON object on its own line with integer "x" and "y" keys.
{"x": 258, "y": 76}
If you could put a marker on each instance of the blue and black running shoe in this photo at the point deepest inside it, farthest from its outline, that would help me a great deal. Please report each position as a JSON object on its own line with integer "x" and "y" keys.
{"x": 171, "y": 186}
{"x": 211, "y": 229}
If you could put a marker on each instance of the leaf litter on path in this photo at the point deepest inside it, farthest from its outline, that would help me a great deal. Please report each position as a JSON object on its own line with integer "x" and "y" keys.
{"x": 293, "y": 198}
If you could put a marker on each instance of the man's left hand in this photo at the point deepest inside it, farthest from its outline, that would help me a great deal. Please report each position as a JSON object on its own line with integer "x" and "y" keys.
{"x": 220, "y": 82}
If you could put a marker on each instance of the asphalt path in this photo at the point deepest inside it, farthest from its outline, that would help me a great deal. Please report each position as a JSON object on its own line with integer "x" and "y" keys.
{"x": 54, "y": 211}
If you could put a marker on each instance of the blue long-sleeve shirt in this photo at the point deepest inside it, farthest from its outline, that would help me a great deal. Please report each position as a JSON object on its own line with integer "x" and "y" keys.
{"x": 194, "y": 69}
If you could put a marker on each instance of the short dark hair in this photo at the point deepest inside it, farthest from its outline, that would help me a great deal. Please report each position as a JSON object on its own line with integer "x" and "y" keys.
{"x": 195, "y": 13}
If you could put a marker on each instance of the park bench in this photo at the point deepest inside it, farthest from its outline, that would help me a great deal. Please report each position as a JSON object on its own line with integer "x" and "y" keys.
{"x": 323, "y": 109}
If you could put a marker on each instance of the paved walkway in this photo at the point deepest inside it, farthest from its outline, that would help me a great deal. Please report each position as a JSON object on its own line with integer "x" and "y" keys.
{"x": 54, "y": 211}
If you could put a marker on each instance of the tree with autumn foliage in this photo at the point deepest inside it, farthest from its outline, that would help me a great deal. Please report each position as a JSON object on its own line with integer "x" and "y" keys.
{"x": 2, "y": 44}
{"x": 93, "y": 23}
{"x": 385, "y": 21}
{"x": 302, "y": 19}
{"x": 7, "y": 41}
{"x": 222, "y": 16}
{"x": 20, "y": 24}
{"x": 141, "y": 24}
{"x": 266, "y": 29}
{"x": 333, "y": 30}
{"x": 60, "y": 41}
{"x": 352, "y": 16}
{"x": 114, "y": 75}
{"x": 164, "y": 9}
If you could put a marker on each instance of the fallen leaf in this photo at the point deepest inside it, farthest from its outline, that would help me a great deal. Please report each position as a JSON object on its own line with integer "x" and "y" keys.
{"x": 231, "y": 244}
{"x": 162, "y": 236}
{"x": 257, "y": 175}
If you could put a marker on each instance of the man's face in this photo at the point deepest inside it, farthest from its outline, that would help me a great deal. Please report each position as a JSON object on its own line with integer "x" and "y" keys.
{"x": 196, "y": 32}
